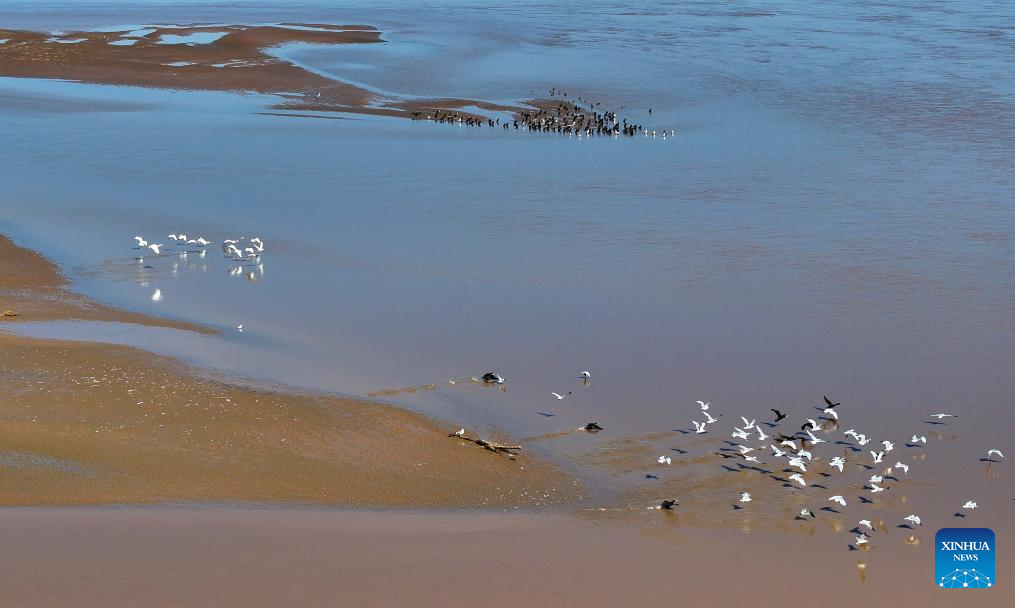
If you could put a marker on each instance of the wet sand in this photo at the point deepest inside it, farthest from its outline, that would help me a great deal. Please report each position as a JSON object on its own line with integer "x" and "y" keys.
{"x": 86, "y": 423}
{"x": 220, "y": 58}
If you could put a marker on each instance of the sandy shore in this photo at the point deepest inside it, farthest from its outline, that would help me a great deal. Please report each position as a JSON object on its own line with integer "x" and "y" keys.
{"x": 230, "y": 58}
{"x": 85, "y": 423}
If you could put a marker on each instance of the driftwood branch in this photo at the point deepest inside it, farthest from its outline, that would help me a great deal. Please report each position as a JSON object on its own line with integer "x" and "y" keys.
{"x": 493, "y": 447}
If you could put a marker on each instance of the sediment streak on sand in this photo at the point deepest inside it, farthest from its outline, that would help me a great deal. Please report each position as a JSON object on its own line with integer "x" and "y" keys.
{"x": 86, "y": 423}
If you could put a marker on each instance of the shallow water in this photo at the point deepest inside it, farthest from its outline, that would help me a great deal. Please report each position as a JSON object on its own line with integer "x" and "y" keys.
{"x": 834, "y": 215}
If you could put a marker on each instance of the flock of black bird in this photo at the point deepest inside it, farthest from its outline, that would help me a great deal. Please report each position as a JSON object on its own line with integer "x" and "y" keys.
{"x": 566, "y": 117}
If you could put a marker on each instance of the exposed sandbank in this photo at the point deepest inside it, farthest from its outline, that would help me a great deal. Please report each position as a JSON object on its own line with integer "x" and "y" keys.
{"x": 85, "y": 423}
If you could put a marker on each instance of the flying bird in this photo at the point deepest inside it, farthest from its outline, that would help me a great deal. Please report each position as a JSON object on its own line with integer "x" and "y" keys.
{"x": 739, "y": 433}
{"x": 814, "y": 440}
{"x": 861, "y": 540}
{"x": 745, "y": 497}
{"x": 799, "y": 479}
{"x": 709, "y": 419}
{"x": 703, "y": 404}
{"x": 875, "y": 488}
{"x": 830, "y": 412}
{"x": 811, "y": 423}
{"x": 994, "y": 451}
{"x": 787, "y": 443}
{"x": 799, "y": 463}
{"x": 829, "y": 403}
{"x": 941, "y": 416}
{"x": 777, "y": 452}
{"x": 970, "y": 504}
{"x": 748, "y": 424}
{"x": 559, "y": 396}
{"x": 157, "y": 296}
{"x": 918, "y": 439}
{"x": 904, "y": 467}
{"x": 778, "y": 415}
{"x": 141, "y": 243}
{"x": 877, "y": 456}
{"x": 889, "y": 446}
{"x": 699, "y": 427}
{"x": 867, "y": 523}
{"x": 837, "y": 462}
{"x": 839, "y": 499}
{"x": 806, "y": 512}
{"x": 876, "y": 479}
{"x": 761, "y": 434}
{"x": 914, "y": 519}
{"x": 156, "y": 247}
{"x": 664, "y": 460}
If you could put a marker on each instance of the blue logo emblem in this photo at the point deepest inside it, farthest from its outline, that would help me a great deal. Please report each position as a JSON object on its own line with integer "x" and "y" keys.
{"x": 964, "y": 558}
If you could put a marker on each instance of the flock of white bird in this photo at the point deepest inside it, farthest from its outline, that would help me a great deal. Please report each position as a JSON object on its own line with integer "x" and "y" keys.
{"x": 242, "y": 249}
{"x": 795, "y": 451}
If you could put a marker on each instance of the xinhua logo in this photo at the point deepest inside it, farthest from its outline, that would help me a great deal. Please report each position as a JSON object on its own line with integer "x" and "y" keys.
{"x": 964, "y": 558}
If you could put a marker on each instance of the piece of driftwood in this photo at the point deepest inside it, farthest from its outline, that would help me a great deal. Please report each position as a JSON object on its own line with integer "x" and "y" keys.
{"x": 8, "y": 313}
{"x": 493, "y": 447}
